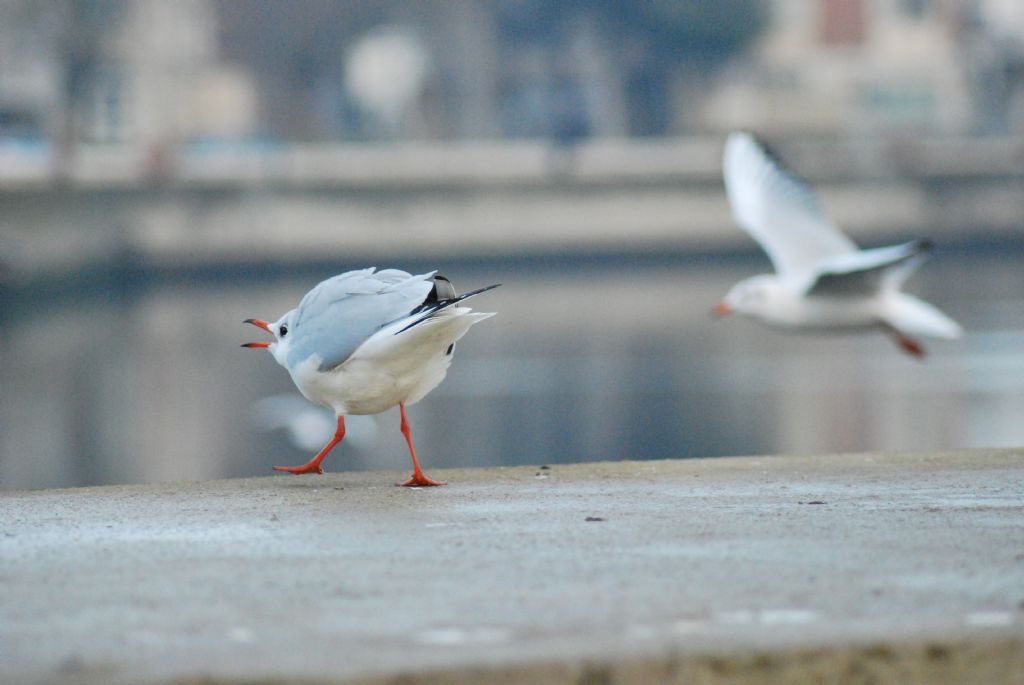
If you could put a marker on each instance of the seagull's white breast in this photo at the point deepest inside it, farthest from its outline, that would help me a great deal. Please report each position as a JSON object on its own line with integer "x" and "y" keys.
{"x": 389, "y": 367}
{"x": 794, "y": 310}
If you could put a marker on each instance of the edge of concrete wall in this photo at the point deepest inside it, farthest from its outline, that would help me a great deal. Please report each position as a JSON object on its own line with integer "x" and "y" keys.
{"x": 994, "y": 662}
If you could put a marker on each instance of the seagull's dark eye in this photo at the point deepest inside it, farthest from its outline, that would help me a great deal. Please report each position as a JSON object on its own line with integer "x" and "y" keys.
{"x": 284, "y": 330}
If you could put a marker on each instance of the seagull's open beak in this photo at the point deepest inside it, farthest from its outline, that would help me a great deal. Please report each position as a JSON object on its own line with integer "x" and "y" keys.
{"x": 722, "y": 309}
{"x": 262, "y": 324}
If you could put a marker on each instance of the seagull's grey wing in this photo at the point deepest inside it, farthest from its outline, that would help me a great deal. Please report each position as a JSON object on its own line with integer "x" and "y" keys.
{"x": 866, "y": 271}
{"x": 777, "y": 209}
{"x": 336, "y": 316}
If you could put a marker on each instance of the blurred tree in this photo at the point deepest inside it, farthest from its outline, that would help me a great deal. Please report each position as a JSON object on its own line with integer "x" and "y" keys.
{"x": 660, "y": 46}
{"x": 679, "y": 29}
{"x": 86, "y": 38}
{"x": 653, "y": 54}
{"x": 297, "y": 51}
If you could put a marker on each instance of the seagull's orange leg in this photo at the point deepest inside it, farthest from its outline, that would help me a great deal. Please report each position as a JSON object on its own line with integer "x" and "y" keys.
{"x": 418, "y": 479}
{"x": 910, "y": 346}
{"x": 314, "y": 464}
{"x": 905, "y": 343}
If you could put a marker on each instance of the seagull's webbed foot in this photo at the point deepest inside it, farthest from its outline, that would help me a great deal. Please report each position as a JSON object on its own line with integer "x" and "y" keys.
{"x": 313, "y": 465}
{"x": 419, "y": 480}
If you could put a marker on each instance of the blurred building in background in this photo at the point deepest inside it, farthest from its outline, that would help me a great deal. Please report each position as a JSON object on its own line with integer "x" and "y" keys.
{"x": 853, "y": 66}
{"x": 157, "y": 73}
{"x": 109, "y": 71}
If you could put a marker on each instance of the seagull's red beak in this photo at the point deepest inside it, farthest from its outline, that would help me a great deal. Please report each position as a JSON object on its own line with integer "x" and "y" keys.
{"x": 261, "y": 324}
{"x": 723, "y": 309}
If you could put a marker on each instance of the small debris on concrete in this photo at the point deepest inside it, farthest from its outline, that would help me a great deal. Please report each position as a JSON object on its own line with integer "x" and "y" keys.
{"x": 594, "y": 518}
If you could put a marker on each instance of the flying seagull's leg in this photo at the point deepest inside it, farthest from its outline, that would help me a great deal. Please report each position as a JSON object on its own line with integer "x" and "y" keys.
{"x": 314, "y": 464}
{"x": 418, "y": 477}
{"x": 905, "y": 343}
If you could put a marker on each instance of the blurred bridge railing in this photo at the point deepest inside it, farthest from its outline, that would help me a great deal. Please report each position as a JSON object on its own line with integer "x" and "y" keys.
{"x": 238, "y": 203}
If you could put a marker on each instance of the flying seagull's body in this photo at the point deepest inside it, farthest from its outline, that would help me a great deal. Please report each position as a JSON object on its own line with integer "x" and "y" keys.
{"x": 822, "y": 281}
{"x": 365, "y": 341}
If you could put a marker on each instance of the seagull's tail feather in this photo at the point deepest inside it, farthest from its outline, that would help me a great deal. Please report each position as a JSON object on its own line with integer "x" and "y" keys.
{"x": 908, "y": 314}
{"x": 429, "y": 309}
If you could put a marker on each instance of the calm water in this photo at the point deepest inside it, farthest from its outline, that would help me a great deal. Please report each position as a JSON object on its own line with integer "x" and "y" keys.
{"x": 616, "y": 361}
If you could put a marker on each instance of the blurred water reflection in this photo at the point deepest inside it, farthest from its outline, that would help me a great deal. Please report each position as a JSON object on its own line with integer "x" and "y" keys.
{"x": 604, "y": 362}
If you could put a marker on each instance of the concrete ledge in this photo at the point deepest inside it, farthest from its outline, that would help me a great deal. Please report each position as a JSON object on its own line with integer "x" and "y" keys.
{"x": 995, "y": 661}
{"x": 845, "y": 568}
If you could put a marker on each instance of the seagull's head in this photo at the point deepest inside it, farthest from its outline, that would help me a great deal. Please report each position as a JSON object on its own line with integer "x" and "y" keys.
{"x": 751, "y": 296}
{"x": 282, "y": 341}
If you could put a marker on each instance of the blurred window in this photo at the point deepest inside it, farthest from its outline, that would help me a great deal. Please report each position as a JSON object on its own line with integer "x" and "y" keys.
{"x": 19, "y": 122}
{"x": 915, "y": 8}
{"x": 104, "y": 106}
{"x": 843, "y": 22}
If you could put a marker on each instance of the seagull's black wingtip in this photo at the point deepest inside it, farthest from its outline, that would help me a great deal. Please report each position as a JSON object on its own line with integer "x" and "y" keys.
{"x": 471, "y": 293}
{"x": 429, "y": 308}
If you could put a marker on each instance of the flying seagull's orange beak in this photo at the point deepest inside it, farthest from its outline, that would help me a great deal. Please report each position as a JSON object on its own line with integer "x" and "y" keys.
{"x": 722, "y": 309}
{"x": 261, "y": 324}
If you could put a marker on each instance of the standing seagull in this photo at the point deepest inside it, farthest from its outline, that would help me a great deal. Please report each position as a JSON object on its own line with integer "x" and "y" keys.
{"x": 364, "y": 341}
{"x": 822, "y": 280}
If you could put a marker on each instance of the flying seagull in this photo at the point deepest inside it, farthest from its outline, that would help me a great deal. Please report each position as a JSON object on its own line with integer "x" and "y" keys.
{"x": 822, "y": 281}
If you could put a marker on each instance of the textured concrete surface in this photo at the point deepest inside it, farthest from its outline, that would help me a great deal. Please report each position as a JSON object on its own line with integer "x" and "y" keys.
{"x": 847, "y": 568}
